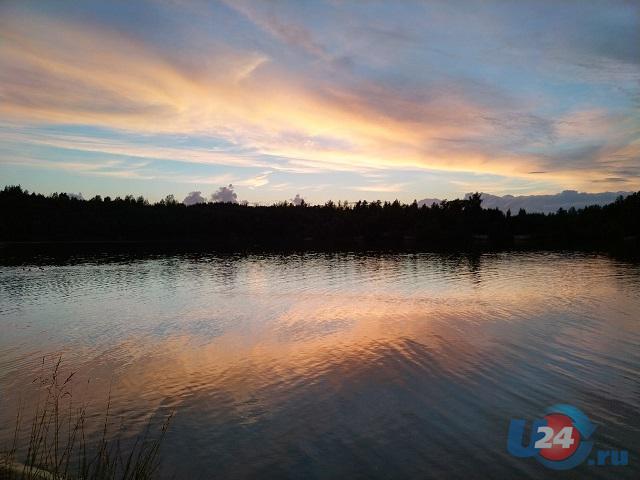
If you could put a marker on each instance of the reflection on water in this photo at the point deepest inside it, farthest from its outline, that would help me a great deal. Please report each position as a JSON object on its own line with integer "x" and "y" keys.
{"x": 337, "y": 366}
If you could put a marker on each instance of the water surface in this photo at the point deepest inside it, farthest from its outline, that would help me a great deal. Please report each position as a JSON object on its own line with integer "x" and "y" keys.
{"x": 335, "y": 366}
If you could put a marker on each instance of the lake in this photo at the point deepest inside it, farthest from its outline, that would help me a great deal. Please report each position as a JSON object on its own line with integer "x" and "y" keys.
{"x": 334, "y": 365}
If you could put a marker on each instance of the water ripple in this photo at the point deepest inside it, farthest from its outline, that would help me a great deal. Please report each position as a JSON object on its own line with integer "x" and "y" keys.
{"x": 341, "y": 365}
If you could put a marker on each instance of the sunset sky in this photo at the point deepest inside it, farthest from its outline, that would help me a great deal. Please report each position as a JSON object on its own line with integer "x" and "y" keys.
{"x": 335, "y": 99}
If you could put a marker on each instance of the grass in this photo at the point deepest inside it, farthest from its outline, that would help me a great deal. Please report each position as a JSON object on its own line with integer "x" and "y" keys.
{"x": 57, "y": 447}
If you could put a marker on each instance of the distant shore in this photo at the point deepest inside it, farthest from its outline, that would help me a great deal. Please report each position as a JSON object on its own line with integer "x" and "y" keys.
{"x": 29, "y": 220}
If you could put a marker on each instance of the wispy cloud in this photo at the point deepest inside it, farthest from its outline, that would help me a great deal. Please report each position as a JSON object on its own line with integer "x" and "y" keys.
{"x": 291, "y": 34}
{"x": 305, "y": 90}
{"x": 380, "y": 187}
{"x": 254, "y": 182}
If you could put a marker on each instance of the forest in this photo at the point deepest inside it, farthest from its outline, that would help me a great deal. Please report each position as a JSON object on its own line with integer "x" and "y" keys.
{"x": 451, "y": 225}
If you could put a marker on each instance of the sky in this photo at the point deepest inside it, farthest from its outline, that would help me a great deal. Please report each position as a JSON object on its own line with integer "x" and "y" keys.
{"x": 326, "y": 100}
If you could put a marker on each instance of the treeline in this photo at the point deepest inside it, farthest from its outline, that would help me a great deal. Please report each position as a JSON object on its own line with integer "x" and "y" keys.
{"x": 456, "y": 224}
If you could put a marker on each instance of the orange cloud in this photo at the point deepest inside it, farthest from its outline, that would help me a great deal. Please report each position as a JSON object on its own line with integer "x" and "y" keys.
{"x": 58, "y": 72}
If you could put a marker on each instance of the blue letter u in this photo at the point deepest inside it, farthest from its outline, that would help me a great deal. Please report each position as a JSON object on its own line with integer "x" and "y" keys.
{"x": 516, "y": 436}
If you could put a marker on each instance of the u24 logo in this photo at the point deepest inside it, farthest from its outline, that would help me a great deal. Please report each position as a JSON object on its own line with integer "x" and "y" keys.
{"x": 560, "y": 440}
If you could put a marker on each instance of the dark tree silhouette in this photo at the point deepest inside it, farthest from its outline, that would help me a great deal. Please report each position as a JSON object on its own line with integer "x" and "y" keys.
{"x": 455, "y": 224}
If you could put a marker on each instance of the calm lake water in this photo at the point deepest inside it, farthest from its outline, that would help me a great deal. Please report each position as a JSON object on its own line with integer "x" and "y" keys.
{"x": 335, "y": 365}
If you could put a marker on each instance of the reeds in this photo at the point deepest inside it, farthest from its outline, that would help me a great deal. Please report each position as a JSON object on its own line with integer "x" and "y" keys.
{"x": 57, "y": 447}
